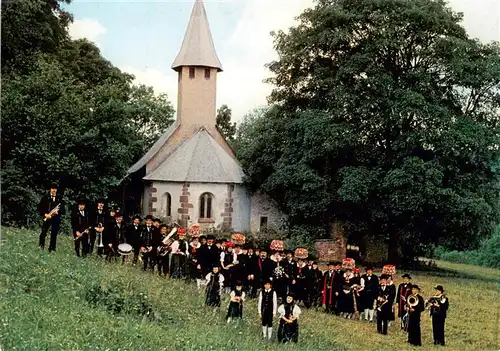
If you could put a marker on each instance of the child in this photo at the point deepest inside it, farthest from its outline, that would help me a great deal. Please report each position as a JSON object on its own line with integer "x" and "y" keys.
{"x": 268, "y": 303}
{"x": 214, "y": 282}
{"x": 289, "y": 313}
{"x": 235, "y": 309}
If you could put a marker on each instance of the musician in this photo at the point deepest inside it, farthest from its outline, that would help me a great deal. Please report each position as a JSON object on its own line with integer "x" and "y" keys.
{"x": 80, "y": 223}
{"x": 148, "y": 244}
{"x": 51, "y": 214}
{"x": 404, "y": 290}
{"x": 134, "y": 232}
{"x": 414, "y": 312}
{"x": 267, "y": 306}
{"x": 163, "y": 257}
{"x": 333, "y": 281}
{"x": 237, "y": 297}
{"x": 385, "y": 301}
{"x": 438, "y": 308}
{"x": 289, "y": 313}
{"x": 180, "y": 255}
{"x": 369, "y": 293}
{"x": 98, "y": 219}
{"x": 114, "y": 235}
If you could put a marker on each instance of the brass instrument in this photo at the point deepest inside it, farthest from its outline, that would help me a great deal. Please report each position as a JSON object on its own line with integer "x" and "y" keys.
{"x": 435, "y": 300}
{"x": 98, "y": 230}
{"x": 167, "y": 242}
{"x": 381, "y": 301}
{"x": 52, "y": 212}
{"x": 412, "y": 300}
{"x": 86, "y": 231}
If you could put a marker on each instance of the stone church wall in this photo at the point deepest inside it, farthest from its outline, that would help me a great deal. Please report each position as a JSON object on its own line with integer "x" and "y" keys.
{"x": 230, "y": 204}
{"x": 264, "y": 206}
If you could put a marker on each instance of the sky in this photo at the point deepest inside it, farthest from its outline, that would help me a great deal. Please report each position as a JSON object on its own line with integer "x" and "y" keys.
{"x": 143, "y": 37}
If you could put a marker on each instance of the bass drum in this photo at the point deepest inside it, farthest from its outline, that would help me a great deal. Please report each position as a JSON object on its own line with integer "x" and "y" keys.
{"x": 124, "y": 249}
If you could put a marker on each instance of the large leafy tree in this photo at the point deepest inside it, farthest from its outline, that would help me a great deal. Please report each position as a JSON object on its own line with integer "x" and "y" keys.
{"x": 386, "y": 118}
{"x": 67, "y": 113}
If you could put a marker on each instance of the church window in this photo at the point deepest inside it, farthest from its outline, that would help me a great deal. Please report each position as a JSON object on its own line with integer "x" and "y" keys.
{"x": 191, "y": 72}
{"x": 206, "y": 205}
{"x": 263, "y": 223}
{"x": 167, "y": 205}
{"x": 207, "y": 73}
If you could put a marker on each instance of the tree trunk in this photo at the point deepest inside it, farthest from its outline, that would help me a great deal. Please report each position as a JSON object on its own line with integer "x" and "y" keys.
{"x": 394, "y": 249}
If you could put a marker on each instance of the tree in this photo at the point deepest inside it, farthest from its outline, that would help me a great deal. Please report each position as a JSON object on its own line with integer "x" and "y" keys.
{"x": 224, "y": 124}
{"x": 67, "y": 113}
{"x": 386, "y": 118}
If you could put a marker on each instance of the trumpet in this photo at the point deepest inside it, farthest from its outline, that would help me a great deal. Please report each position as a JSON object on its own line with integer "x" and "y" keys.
{"x": 435, "y": 300}
{"x": 99, "y": 233}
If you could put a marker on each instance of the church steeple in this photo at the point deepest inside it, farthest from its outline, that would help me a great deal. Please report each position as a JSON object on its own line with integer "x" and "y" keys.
{"x": 197, "y": 47}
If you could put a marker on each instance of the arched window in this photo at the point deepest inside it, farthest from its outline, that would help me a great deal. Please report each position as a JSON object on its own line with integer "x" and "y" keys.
{"x": 167, "y": 205}
{"x": 206, "y": 205}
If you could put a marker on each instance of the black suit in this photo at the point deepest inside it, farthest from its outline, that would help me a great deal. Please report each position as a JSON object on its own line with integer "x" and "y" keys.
{"x": 384, "y": 311}
{"x": 438, "y": 314}
{"x": 47, "y": 203}
{"x": 134, "y": 238}
{"x": 80, "y": 222}
{"x": 208, "y": 256}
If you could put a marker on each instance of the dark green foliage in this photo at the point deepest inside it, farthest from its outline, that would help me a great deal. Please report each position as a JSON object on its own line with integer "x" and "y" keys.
{"x": 385, "y": 117}
{"x": 224, "y": 124}
{"x": 67, "y": 113}
{"x": 487, "y": 255}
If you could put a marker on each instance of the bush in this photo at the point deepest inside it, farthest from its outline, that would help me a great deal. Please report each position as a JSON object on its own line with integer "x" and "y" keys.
{"x": 488, "y": 254}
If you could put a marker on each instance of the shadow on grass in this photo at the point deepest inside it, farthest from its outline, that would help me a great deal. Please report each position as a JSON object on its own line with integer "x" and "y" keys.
{"x": 433, "y": 269}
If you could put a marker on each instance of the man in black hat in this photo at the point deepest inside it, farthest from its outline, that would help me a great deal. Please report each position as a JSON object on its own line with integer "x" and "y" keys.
{"x": 51, "y": 208}
{"x": 385, "y": 301}
{"x": 114, "y": 235}
{"x": 439, "y": 306}
{"x": 148, "y": 247}
{"x": 404, "y": 290}
{"x": 265, "y": 268}
{"x": 290, "y": 267}
{"x": 370, "y": 293}
{"x": 98, "y": 220}
{"x": 414, "y": 312}
{"x": 208, "y": 256}
{"x": 80, "y": 222}
{"x": 134, "y": 232}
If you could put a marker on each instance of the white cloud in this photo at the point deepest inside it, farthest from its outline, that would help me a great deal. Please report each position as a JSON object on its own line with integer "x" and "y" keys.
{"x": 161, "y": 82}
{"x": 86, "y": 28}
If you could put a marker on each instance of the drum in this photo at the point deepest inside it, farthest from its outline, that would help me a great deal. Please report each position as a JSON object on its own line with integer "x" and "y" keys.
{"x": 124, "y": 249}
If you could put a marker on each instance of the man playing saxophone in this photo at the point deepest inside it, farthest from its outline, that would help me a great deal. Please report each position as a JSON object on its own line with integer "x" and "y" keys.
{"x": 438, "y": 307}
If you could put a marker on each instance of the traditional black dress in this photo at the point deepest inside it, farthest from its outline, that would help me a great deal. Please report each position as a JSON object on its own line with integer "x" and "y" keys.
{"x": 215, "y": 281}
{"x": 345, "y": 302}
{"x": 288, "y": 331}
{"x": 414, "y": 332}
{"x": 235, "y": 309}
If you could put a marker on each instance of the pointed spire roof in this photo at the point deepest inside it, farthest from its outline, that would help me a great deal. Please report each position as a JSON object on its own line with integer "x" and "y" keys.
{"x": 197, "y": 47}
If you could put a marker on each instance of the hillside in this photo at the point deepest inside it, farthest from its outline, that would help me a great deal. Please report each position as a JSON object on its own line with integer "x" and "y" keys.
{"x": 61, "y": 302}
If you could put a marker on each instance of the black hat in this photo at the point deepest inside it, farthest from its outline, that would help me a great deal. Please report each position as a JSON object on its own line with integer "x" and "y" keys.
{"x": 288, "y": 252}
{"x": 118, "y": 214}
{"x": 163, "y": 226}
{"x": 331, "y": 263}
{"x": 383, "y": 276}
{"x": 100, "y": 201}
{"x": 81, "y": 201}
{"x": 215, "y": 265}
{"x": 368, "y": 268}
{"x": 439, "y": 287}
{"x": 239, "y": 283}
{"x": 53, "y": 185}
{"x": 203, "y": 236}
{"x": 268, "y": 282}
{"x": 263, "y": 249}
{"x": 415, "y": 286}
{"x": 148, "y": 217}
{"x": 315, "y": 262}
{"x": 137, "y": 217}
{"x": 210, "y": 237}
{"x": 406, "y": 275}
{"x": 291, "y": 294}
{"x": 157, "y": 220}
{"x": 113, "y": 209}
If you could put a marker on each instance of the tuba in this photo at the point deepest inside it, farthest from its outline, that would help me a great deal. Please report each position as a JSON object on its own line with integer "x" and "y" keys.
{"x": 412, "y": 300}
{"x": 162, "y": 250}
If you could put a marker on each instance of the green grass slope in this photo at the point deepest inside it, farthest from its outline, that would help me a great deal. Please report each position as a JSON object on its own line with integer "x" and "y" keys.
{"x": 60, "y": 302}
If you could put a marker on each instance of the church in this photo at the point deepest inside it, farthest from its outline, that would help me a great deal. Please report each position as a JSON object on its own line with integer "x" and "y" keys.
{"x": 191, "y": 174}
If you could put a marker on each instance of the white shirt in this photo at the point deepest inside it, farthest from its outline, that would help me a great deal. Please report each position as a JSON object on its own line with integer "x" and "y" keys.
{"x": 275, "y": 302}
{"x": 295, "y": 312}
{"x": 233, "y": 294}
{"x": 176, "y": 249}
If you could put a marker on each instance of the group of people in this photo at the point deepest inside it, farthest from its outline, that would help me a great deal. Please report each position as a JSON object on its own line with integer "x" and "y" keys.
{"x": 241, "y": 270}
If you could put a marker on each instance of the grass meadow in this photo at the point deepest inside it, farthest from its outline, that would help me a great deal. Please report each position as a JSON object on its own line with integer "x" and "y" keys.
{"x": 61, "y": 302}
